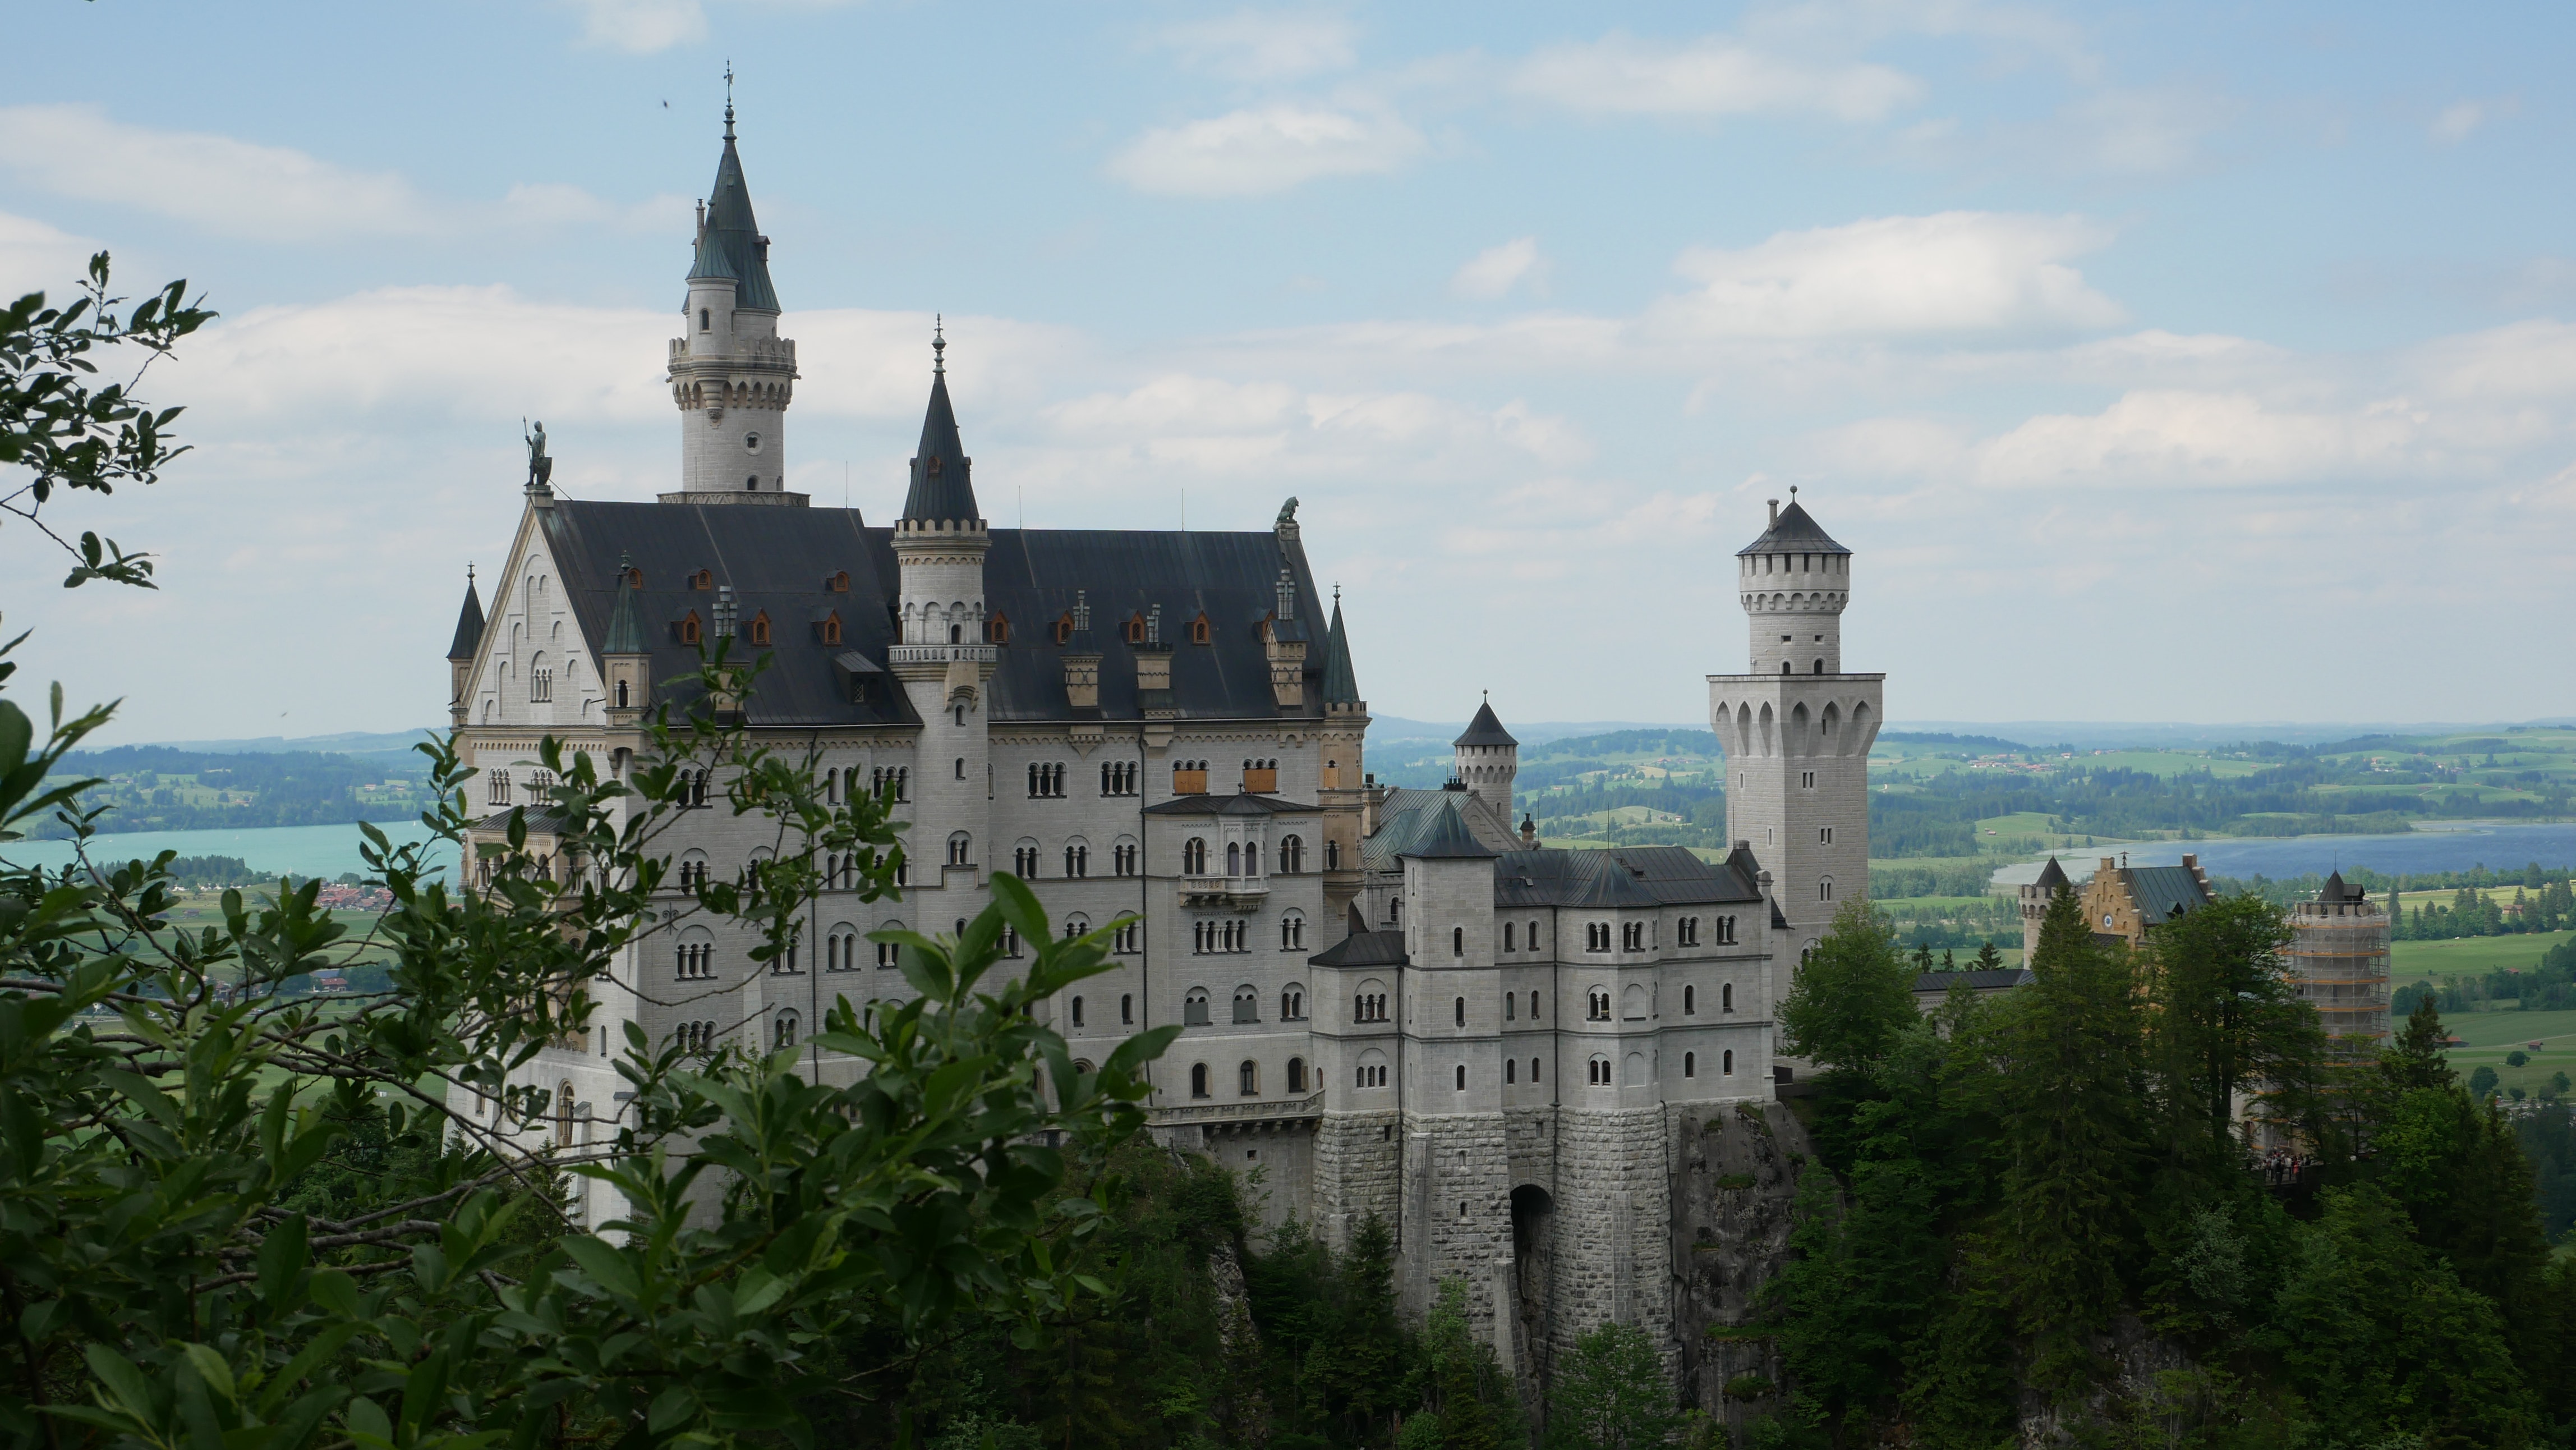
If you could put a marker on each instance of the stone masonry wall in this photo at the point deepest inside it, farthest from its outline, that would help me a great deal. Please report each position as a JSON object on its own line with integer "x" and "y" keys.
{"x": 1356, "y": 1156}
{"x": 1613, "y": 1255}
{"x": 1735, "y": 1182}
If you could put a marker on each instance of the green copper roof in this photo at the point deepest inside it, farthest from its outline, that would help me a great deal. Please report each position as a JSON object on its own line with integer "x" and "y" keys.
{"x": 1341, "y": 684}
{"x": 625, "y": 635}
{"x": 729, "y": 239}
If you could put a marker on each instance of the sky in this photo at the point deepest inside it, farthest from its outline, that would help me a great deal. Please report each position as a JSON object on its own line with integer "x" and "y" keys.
{"x": 2188, "y": 362}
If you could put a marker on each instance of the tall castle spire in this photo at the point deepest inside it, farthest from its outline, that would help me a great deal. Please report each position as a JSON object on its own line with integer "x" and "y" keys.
{"x": 732, "y": 375}
{"x": 943, "y": 489}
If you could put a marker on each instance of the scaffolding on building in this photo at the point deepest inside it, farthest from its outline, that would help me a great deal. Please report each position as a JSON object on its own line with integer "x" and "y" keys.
{"x": 2338, "y": 958}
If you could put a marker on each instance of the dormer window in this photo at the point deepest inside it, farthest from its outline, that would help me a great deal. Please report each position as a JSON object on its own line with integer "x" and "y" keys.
{"x": 1064, "y": 628}
{"x": 634, "y": 578}
{"x": 1135, "y": 629}
{"x": 838, "y": 583}
{"x": 1200, "y": 631}
{"x": 689, "y": 629}
{"x": 703, "y": 579}
{"x": 997, "y": 630}
{"x": 760, "y": 627}
{"x": 830, "y": 628}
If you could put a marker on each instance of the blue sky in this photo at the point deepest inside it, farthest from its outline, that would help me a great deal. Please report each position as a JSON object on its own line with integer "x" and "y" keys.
{"x": 2188, "y": 363}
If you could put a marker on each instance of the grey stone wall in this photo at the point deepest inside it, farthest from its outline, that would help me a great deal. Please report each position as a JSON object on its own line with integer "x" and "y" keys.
{"x": 1356, "y": 1158}
{"x": 1735, "y": 1181}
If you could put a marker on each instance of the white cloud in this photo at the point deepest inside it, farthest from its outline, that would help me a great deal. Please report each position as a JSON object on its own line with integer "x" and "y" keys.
{"x": 1256, "y": 45}
{"x": 1497, "y": 270}
{"x": 1268, "y": 149}
{"x": 2182, "y": 439}
{"x": 1713, "y": 76}
{"x": 237, "y": 188}
{"x": 641, "y": 27}
{"x": 2457, "y": 120}
{"x": 1947, "y": 273}
{"x": 35, "y": 257}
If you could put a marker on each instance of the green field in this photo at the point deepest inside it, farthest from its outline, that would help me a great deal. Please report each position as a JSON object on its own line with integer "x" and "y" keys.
{"x": 2487, "y": 1036}
{"x": 2472, "y": 956}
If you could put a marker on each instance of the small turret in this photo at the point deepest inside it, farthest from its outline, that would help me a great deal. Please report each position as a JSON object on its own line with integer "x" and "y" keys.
{"x": 732, "y": 375}
{"x": 1341, "y": 683}
{"x": 1794, "y": 582}
{"x": 625, "y": 658}
{"x": 462, "y": 650}
{"x": 1488, "y": 758}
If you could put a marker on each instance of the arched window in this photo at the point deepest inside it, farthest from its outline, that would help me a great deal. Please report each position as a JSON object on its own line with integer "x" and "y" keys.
{"x": 563, "y": 1113}
{"x": 1462, "y": 1087}
{"x": 1690, "y": 1064}
{"x": 1296, "y": 1074}
{"x": 1198, "y": 1080}
{"x": 783, "y": 1031}
{"x": 1292, "y": 856}
{"x": 1194, "y": 1008}
{"x": 1247, "y": 1078}
{"x": 1597, "y": 1072}
{"x": 1194, "y": 856}
{"x": 1533, "y": 1006}
{"x": 1825, "y": 889}
{"x": 1507, "y": 937}
{"x": 706, "y": 320}
{"x": 1726, "y": 997}
{"x": 1457, "y": 941}
{"x": 621, "y": 695}
{"x": 1247, "y": 1004}
{"x": 958, "y": 845}
{"x": 1511, "y": 1070}
{"x": 1292, "y": 931}
{"x": 1252, "y": 858}
{"x": 1233, "y": 858}
{"x": 1533, "y": 1069}
{"x": 1126, "y": 1010}
{"x": 1332, "y": 855}
{"x": 1292, "y": 1003}
{"x": 1726, "y": 1063}
{"x": 1690, "y": 1002}
{"x": 1077, "y": 1011}
{"x": 1462, "y": 1012}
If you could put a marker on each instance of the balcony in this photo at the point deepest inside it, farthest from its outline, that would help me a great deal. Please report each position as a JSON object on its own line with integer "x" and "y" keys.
{"x": 1226, "y": 893}
{"x": 942, "y": 654}
{"x": 1309, "y": 1106}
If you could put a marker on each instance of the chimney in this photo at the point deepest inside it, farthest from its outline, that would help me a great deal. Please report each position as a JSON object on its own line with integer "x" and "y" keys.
{"x": 1081, "y": 610}
{"x": 2105, "y": 868}
{"x": 1775, "y": 513}
{"x": 1287, "y": 595}
{"x": 1154, "y": 625}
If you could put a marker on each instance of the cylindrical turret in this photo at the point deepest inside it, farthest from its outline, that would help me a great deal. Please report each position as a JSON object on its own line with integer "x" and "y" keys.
{"x": 1793, "y": 582}
{"x": 1488, "y": 759}
{"x": 732, "y": 375}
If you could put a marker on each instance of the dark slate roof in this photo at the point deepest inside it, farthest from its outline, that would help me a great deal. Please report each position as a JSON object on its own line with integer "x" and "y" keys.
{"x": 941, "y": 483}
{"x": 1404, "y": 813}
{"x": 1444, "y": 837}
{"x": 729, "y": 240}
{"x": 1987, "y": 981}
{"x": 1485, "y": 729}
{"x": 2336, "y": 890}
{"x": 1363, "y": 949}
{"x": 1242, "y": 804}
{"x": 778, "y": 559}
{"x": 1341, "y": 686}
{"x": 1636, "y": 877}
{"x": 1793, "y": 532}
{"x": 2051, "y": 876}
{"x": 469, "y": 625}
{"x": 2165, "y": 892}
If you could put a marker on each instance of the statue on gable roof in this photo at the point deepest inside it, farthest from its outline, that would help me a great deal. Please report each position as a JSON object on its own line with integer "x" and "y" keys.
{"x": 541, "y": 469}
{"x": 1287, "y": 513}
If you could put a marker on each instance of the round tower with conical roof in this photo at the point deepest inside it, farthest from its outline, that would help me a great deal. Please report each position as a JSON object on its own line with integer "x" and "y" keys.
{"x": 732, "y": 375}
{"x": 1487, "y": 758}
{"x": 942, "y": 652}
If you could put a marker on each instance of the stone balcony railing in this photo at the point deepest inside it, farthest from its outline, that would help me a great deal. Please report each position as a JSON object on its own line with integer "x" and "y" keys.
{"x": 942, "y": 654}
{"x": 751, "y": 352}
{"x": 1240, "y": 893}
{"x": 1309, "y": 1106}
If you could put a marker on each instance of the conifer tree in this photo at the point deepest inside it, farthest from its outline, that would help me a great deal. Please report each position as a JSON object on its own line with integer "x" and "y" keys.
{"x": 1988, "y": 959}
{"x": 2227, "y": 1020}
{"x": 1853, "y": 995}
{"x": 2070, "y": 1099}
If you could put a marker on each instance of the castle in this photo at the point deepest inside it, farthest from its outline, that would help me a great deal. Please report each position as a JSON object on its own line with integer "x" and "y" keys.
{"x": 1393, "y": 1002}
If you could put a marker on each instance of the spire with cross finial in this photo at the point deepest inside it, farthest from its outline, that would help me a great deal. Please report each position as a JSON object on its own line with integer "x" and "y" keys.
{"x": 732, "y": 375}
{"x": 942, "y": 489}
{"x": 938, "y": 345}
{"x": 728, "y": 98}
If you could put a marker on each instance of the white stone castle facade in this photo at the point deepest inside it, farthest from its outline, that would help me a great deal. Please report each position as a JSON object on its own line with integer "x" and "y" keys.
{"x": 1393, "y": 1002}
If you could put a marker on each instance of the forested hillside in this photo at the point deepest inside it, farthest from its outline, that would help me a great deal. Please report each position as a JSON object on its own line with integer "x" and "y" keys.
{"x": 157, "y": 787}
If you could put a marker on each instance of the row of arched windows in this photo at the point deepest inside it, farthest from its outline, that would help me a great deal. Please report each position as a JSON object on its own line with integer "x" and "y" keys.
{"x": 1247, "y": 1078}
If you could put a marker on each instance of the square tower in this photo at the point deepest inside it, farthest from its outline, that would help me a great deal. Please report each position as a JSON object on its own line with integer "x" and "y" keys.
{"x": 1796, "y": 732}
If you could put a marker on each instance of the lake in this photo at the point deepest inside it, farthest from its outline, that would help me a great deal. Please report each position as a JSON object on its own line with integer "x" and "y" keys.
{"x": 324, "y": 851}
{"x": 2433, "y": 846}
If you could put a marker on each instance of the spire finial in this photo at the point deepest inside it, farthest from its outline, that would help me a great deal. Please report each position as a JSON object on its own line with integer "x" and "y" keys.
{"x": 1793, "y": 493}
{"x": 1337, "y": 594}
{"x": 728, "y": 98}
{"x": 469, "y": 573}
{"x": 938, "y": 345}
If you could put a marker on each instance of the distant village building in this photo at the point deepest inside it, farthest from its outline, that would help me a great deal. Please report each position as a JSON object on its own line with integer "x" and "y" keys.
{"x": 2339, "y": 959}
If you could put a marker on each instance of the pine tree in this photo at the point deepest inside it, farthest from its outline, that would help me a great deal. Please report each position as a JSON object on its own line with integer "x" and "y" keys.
{"x": 2070, "y": 1102}
{"x": 1611, "y": 1394}
{"x": 1853, "y": 995}
{"x": 1988, "y": 959}
{"x": 2226, "y": 1019}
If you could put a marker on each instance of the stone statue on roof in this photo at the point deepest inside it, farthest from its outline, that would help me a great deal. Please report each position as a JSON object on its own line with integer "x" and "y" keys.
{"x": 1287, "y": 513}
{"x": 541, "y": 469}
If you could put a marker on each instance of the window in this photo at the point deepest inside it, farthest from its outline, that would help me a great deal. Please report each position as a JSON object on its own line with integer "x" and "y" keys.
{"x": 1077, "y": 1011}
{"x": 1533, "y": 937}
{"x": 703, "y": 579}
{"x": 1511, "y": 1006}
{"x": 1198, "y": 1080}
{"x": 1292, "y": 932}
{"x": 782, "y": 1031}
{"x": 1369, "y": 1006}
{"x": 689, "y": 629}
{"x": 1632, "y": 936}
{"x": 887, "y": 952}
{"x": 1296, "y": 1074}
{"x": 1461, "y": 1012}
{"x": 1126, "y": 1010}
{"x": 621, "y": 694}
{"x": 961, "y": 760}
{"x": 1462, "y": 1087}
{"x": 541, "y": 681}
{"x": 1247, "y": 1079}
{"x": 1457, "y": 941}
{"x": 1597, "y": 1005}
{"x": 1726, "y": 931}
{"x": 760, "y": 627}
{"x": 1825, "y": 889}
{"x": 1726, "y": 1063}
{"x": 1122, "y": 858}
{"x": 696, "y": 961}
{"x": 1292, "y": 1003}
{"x": 1076, "y": 925}
{"x": 839, "y": 583}
{"x": 1194, "y": 856}
{"x": 706, "y": 320}
{"x": 1118, "y": 777}
{"x": 1292, "y": 856}
{"x": 1064, "y": 628}
{"x": 1511, "y": 1070}
{"x": 1596, "y": 936}
{"x": 563, "y": 1114}
{"x": 1135, "y": 629}
{"x": 997, "y": 630}
{"x": 1199, "y": 631}
{"x": 1533, "y": 1069}
{"x": 1686, "y": 931}
{"x": 1507, "y": 936}
{"x": 1024, "y": 860}
{"x": 1372, "y": 1073}
{"x": 1077, "y": 859}
{"x": 1690, "y": 1001}
{"x": 1690, "y": 1064}
{"x": 498, "y": 783}
{"x": 1046, "y": 781}
{"x": 1533, "y": 1006}
{"x": 1194, "y": 1008}
{"x": 1726, "y": 998}
{"x": 1332, "y": 855}
{"x": 1247, "y": 1005}
{"x": 958, "y": 846}
{"x": 1806, "y": 780}
{"x": 1123, "y": 941}
{"x": 841, "y": 949}
{"x": 1233, "y": 858}
{"x": 1598, "y": 1072}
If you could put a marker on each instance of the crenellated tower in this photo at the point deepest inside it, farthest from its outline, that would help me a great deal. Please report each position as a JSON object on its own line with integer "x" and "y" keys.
{"x": 1796, "y": 731}
{"x": 943, "y": 655}
{"x": 732, "y": 375}
{"x": 1487, "y": 758}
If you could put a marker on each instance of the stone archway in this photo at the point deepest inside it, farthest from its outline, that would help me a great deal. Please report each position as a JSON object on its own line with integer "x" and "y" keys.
{"x": 1534, "y": 1272}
